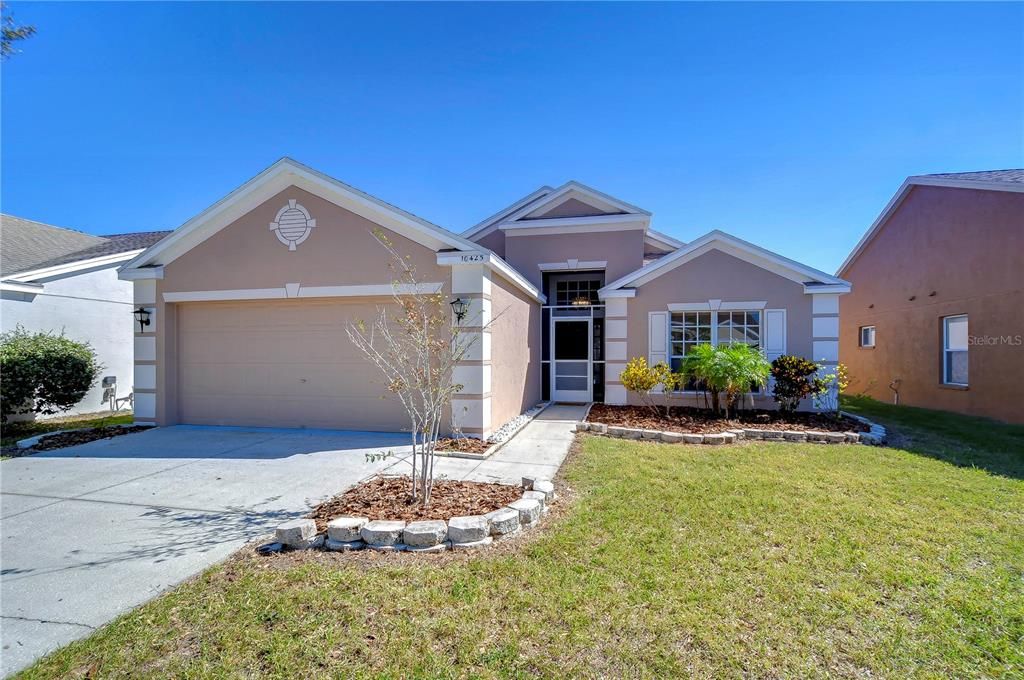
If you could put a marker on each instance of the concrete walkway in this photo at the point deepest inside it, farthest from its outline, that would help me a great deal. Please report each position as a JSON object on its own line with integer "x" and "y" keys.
{"x": 92, "y": 531}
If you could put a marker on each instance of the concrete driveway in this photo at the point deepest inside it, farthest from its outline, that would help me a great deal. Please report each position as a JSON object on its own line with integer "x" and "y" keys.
{"x": 91, "y": 531}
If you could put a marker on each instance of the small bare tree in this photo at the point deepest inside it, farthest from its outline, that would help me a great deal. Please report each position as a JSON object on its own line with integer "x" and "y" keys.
{"x": 416, "y": 347}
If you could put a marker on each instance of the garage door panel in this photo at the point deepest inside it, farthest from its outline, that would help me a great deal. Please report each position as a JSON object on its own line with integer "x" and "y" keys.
{"x": 279, "y": 364}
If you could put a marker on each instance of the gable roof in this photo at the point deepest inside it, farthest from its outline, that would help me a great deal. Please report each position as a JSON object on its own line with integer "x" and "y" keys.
{"x": 984, "y": 180}
{"x": 528, "y": 213}
{"x": 28, "y": 247}
{"x": 276, "y": 178}
{"x": 812, "y": 279}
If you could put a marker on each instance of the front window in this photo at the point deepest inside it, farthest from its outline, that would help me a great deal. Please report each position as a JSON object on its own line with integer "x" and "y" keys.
{"x": 867, "y": 336}
{"x": 577, "y": 293}
{"x": 954, "y": 350}
{"x": 720, "y": 328}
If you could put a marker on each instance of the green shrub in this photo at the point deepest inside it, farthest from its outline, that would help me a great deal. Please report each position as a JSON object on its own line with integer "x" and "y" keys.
{"x": 729, "y": 369}
{"x": 43, "y": 373}
{"x": 794, "y": 380}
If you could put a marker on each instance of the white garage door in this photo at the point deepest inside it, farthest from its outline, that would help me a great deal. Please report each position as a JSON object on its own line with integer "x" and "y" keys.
{"x": 281, "y": 363}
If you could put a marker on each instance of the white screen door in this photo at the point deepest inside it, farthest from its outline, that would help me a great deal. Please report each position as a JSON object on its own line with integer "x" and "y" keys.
{"x": 571, "y": 373}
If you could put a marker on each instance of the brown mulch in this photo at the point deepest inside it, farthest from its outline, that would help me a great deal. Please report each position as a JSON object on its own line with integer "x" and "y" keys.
{"x": 462, "y": 444}
{"x": 388, "y": 498}
{"x": 702, "y": 421}
{"x": 63, "y": 439}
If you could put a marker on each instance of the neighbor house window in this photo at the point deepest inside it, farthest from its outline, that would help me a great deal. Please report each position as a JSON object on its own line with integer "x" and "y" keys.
{"x": 867, "y": 336}
{"x": 954, "y": 350}
{"x": 579, "y": 293}
{"x": 690, "y": 329}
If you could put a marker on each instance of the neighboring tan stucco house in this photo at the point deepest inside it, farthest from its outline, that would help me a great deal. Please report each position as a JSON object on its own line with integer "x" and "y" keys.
{"x": 937, "y": 309}
{"x": 250, "y": 300}
{"x": 61, "y": 280}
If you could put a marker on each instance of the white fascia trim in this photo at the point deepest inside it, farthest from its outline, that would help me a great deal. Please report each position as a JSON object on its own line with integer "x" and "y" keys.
{"x": 717, "y": 305}
{"x": 618, "y": 293}
{"x": 273, "y": 180}
{"x": 660, "y": 240}
{"x": 719, "y": 240}
{"x": 637, "y": 222}
{"x": 904, "y": 190}
{"x": 72, "y": 267}
{"x": 573, "y": 186}
{"x": 140, "y": 274}
{"x": 480, "y": 229}
{"x": 494, "y": 263}
{"x": 840, "y": 288}
{"x": 588, "y": 228}
{"x": 293, "y": 291}
{"x": 20, "y": 287}
{"x": 572, "y": 265}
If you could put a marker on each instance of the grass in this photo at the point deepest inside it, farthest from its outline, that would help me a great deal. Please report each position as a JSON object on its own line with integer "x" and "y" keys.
{"x": 12, "y": 432}
{"x": 763, "y": 559}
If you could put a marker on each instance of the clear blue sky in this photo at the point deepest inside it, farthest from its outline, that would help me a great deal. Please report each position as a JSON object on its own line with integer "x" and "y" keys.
{"x": 789, "y": 125}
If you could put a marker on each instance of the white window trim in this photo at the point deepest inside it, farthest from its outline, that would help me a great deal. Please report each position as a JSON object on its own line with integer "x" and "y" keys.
{"x": 860, "y": 336}
{"x": 714, "y": 333}
{"x": 946, "y": 350}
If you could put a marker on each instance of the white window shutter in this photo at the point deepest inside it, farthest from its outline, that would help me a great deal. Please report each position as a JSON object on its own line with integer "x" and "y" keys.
{"x": 657, "y": 337}
{"x": 774, "y": 333}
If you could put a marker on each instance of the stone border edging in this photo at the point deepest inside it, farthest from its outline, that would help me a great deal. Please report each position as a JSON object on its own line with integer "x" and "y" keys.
{"x": 467, "y": 532}
{"x": 875, "y": 437}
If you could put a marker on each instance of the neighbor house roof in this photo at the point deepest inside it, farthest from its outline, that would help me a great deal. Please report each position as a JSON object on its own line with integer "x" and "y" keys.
{"x": 985, "y": 180}
{"x": 27, "y": 246}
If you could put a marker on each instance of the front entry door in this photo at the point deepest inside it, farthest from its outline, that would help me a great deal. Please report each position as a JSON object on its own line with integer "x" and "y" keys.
{"x": 571, "y": 372}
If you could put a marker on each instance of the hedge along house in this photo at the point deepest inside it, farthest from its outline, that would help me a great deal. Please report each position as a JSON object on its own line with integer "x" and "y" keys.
{"x": 248, "y": 303}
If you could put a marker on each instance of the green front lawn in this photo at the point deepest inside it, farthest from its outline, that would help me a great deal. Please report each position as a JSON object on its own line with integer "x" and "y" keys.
{"x": 13, "y": 432}
{"x": 763, "y": 560}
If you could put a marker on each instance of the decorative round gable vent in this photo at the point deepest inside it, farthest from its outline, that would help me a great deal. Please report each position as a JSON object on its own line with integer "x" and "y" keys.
{"x": 293, "y": 224}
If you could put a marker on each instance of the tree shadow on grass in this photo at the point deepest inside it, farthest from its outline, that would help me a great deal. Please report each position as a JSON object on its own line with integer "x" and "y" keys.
{"x": 961, "y": 440}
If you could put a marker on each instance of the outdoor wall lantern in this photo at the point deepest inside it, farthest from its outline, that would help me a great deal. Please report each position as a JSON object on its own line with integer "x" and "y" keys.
{"x": 142, "y": 316}
{"x": 460, "y": 307}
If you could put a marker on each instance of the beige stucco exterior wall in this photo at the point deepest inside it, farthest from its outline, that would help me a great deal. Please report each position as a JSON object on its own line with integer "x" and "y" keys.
{"x": 495, "y": 242}
{"x": 246, "y": 255}
{"x": 944, "y": 251}
{"x": 515, "y": 353}
{"x": 719, "y": 276}
{"x": 623, "y": 250}
{"x": 573, "y": 207}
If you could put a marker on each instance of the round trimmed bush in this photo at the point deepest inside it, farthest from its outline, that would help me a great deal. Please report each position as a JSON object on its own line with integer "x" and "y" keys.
{"x": 43, "y": 373}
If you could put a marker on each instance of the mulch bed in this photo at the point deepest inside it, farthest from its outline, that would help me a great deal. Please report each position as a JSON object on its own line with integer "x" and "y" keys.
{"x": 63, "y": 439}
{"x": 702, "y": 421}
{"x": 462, "y": 444}
{"x": 388, "y": 498}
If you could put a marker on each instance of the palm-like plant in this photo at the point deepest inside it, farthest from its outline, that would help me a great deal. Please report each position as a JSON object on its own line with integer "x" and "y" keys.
{"x": 704, "y": 365}
{"x": 731, "y": 370}
{"x": 744, "y": 366}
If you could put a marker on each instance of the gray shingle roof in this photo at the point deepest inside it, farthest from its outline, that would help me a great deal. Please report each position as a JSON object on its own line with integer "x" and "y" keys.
{"x": 1013, "y": 176}
{"x": 26, "y": 244}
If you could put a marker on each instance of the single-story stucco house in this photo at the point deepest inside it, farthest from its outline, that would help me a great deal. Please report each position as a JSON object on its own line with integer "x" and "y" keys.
{"x": 57, "y": 280}
{"x": 250, "y": 301}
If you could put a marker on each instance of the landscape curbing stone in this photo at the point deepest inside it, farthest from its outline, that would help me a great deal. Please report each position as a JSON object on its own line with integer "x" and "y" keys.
{"x": 343, "y": 546}
{"x": 650, "y": 434}
{"x": 545, "y": 487}
{"x": 382, "y": 532}
{"x": 693, "y": 438}
{"x": 346, "y": 529}
{"x": 473, "y": 545}
{"x": 529, "y": 510}
{"x": 537, "y": 496}
{"x": 425, "y": 533}
{"x": 795, "y": 436}
{"x": 714, "y": 439}
{"x": 503, "y": 522}
{"x": 296, "y": 532}
{"x": 671, "y": 437}
{"x": 469, "y": 528}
